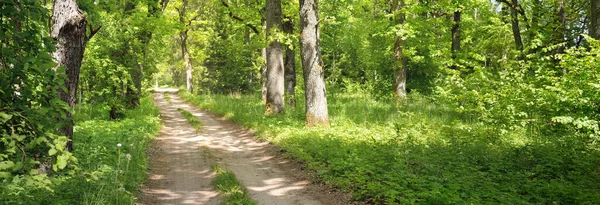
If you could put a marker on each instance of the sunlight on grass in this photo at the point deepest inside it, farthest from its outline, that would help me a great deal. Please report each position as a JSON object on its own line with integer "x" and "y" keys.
{"x": 193, "y": 120}
{"x": 418, "y": 152}
{"x": 232, "y": 190}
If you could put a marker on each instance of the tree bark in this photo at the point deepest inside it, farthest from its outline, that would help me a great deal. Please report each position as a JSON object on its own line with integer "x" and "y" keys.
{"x": 68, "y": 28}
{"x": 595, "y": 19}
{"x": 456, "y": 34}
{"x": 187, "y": 59}
{"x": 290, "y": 66}
{"x": 263, "y": 67}
{"x": 399, "y": 58}
{"x": 514, "y": 16}
{"x": 275, "y": 70}
{"x": 312, "y": 65}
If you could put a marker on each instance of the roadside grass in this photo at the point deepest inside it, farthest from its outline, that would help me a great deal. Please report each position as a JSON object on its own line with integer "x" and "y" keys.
{"x": 232, "y": 190}
{"x": 111, "y": 156}
{"x": 420, "y": 152}
{"x": 193, "y": 120}
{"x": 168, "y": 98}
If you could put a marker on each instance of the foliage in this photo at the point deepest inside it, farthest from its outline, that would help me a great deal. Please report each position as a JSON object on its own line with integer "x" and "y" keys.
{"x": 111, "y": 161}
{"x": 30, "y": 149}
{"x": 233, "y": 192}
{"x": 422, "y": 152}
{"x": 193, "y": 120}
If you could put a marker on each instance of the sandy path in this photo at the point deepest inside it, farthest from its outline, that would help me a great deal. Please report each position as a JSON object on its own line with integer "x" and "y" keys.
{"x": 180, "y": 167}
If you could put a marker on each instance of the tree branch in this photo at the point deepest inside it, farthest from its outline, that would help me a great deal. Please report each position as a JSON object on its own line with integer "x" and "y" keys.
{"x": 93, "y": 31}
{"x": 237, "y": 18}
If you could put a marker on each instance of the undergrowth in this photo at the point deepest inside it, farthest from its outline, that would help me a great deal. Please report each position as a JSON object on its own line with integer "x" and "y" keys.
{"x": 419, "y": 152}
{"x": 111, "y": 159}
{"x": 232, "y": 190}
{"x": 193, "y": 120}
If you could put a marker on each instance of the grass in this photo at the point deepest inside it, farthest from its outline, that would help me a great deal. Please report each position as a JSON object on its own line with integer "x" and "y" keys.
{"x": 420, "y": 152}
{"x": 232, "y": 190}
{"x": 106, "y": 173}
{"x": 168, "y": 98}
{"x": 193, "y": 120}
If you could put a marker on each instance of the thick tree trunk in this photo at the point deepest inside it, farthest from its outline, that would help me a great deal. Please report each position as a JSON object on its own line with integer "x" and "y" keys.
{"x": 561, "y": 22}
{"x": 275, "y": 70}
{"x": 68, "y": 28}
{"x": 399, "y": 58}
{"x": 456, "y": 34}
{"x": 290, "y": 67}
{"x": 595, "y": 19}
{"x": 312, "y": 64}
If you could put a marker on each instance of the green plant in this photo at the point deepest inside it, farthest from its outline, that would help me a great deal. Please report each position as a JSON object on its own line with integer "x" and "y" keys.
{"x": 233, "y": 192}
{"x": 193, "y": 120}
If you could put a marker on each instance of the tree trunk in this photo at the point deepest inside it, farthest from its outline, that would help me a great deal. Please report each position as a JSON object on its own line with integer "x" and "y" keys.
{"x": 290, "y": 67}
{"x": 456, "y": 35}
{"x": 68, "y": 28}
{"x": 263, "y": 67}
{"x": 595, "y": 19}
{"x": 514, "y": 15}
{"x": 275, "y": 70}
{"x": 561, "y": 22}
{"x": 399, "y": 58}
{"x": 187, "y": 59}
{"x": 312, "y": 65}
{"x": 455, "y": 38}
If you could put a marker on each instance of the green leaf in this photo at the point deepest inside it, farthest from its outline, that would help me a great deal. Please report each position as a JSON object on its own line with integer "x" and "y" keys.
{"x": 6, "y": 165}
{"x": 52, "y": 152}
{"x": 5, "y": 175}
{"x": 61, "y": 161}
{"x": 5, "y": 117}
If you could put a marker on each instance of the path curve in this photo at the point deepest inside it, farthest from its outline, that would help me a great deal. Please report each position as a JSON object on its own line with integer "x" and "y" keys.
{"x": 181, "y": 159}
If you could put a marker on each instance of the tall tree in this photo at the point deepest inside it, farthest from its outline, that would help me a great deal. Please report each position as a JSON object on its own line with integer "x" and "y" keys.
{"x": 183, "y": 40}
{"x": 595, "y": 19}
{"x": 312, "y": 64}
{"x": 69, "y": 29}
{"x": 290, "y": 65}
{"x": 399, "y": 58}
{"x": 275, "y": 70}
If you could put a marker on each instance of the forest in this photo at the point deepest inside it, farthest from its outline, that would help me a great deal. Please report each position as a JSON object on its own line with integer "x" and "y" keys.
{"x": 390, "y": 101}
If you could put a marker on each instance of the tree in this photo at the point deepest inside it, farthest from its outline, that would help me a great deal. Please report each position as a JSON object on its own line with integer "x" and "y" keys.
{"x": 595, "y": 19}
{"x": 275, "y": 70}
{"x": 312, "y": 64}
{"x": 456, "y": 34}
{"x": 399, "y": 57}
{"x": 183, "y": 38}
{"x": 69, "y": 29}
{"x": 290, "y": 65}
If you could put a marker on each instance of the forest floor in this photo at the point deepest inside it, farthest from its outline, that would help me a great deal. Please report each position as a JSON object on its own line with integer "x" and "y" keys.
{"x": 181, "y": 159}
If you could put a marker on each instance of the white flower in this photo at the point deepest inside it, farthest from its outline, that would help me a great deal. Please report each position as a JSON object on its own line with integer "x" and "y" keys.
{"x": 119, "y": 145}
{"x": 131, "y": 145}
{"x": 128, "y": 156}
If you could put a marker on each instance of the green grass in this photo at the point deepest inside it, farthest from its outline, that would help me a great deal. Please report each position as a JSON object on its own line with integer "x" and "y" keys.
{"x": 105, "y": 173}
{"x": 419, "y": 152}
{"x": 232, "y": 190}
{"x": 168, "y": 98}
{"x": 193, "y": 120}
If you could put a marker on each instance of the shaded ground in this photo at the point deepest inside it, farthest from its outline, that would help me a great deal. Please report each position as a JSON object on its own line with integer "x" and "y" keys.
{"x": 180, "y": 163}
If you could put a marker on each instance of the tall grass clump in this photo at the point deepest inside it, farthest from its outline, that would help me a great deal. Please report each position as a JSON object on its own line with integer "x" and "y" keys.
{"x": 422, "y": 152}
{"x": 232, "y": 190}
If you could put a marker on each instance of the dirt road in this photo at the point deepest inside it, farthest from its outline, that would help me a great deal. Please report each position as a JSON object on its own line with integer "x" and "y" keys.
{"x": 181, "y": 159}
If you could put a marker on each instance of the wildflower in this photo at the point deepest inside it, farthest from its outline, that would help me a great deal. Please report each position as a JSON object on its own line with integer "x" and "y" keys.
{"x": 131, "y": 145}
{"x": 128, "y": 156}
{"x": 119, "y": 145}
